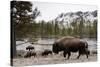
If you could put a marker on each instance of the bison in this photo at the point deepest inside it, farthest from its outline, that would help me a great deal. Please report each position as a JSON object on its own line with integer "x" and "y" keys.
{"x": 46, "y": 52}
{"x": 29, "y": 54}
{"x": 70, "y": 44}
{"x": 29, "y": 48}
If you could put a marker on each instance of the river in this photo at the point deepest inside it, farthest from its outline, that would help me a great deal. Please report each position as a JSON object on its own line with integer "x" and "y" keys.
{"x": 47, "y": 44}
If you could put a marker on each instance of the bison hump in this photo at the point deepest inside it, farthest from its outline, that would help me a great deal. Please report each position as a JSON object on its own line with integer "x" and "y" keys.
{"x": 64, "y": 38}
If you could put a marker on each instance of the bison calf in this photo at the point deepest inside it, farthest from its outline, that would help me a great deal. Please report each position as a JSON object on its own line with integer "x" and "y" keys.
{"x": 46, "y": 52}
{"x": 29, "y": 54}
{"x": 29, "y": 48}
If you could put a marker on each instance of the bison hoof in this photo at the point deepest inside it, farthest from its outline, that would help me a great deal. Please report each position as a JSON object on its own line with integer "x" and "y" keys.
{"x": 65, "y": 59}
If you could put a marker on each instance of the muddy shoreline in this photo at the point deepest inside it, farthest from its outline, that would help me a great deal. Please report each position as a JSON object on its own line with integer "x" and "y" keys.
{"x": 53, "y": 59}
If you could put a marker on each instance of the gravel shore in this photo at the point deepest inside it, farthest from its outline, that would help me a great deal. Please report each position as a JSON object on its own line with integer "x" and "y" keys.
{"x": 53, "y": 59}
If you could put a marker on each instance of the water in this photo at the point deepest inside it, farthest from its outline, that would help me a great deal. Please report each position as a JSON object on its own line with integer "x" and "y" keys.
{"x": 47, "y": 44}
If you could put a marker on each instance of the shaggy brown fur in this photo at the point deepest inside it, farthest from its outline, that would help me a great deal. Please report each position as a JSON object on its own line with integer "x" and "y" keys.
{"x": 46, "y": 52}
{"x": 70, "y": 44}
{"x": 29, "y": 54}
{"x": 29, "y": 48}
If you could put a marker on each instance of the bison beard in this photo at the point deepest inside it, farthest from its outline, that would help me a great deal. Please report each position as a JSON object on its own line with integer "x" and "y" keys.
{"x": 69, "y": 45}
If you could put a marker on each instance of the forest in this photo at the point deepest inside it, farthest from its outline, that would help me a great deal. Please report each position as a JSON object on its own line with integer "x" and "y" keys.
{"x": 25, "y": 25}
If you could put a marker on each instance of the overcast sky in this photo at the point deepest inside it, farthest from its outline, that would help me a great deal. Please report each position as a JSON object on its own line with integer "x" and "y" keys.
{"x": 50, "y": 11}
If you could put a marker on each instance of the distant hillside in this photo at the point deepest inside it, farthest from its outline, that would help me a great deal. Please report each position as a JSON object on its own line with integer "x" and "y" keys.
{"x": 70, "y": 17}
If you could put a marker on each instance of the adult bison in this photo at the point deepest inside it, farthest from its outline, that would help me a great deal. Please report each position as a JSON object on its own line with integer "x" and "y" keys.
{"x": 70, "y": 44}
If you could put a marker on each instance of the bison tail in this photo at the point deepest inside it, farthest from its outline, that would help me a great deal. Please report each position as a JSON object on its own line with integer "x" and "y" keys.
{"x": 86, "y": 45}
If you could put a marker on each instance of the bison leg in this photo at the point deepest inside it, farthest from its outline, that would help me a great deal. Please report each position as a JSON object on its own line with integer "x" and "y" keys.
{"x": 68, "y": 55}
{"x": 64, "y": 53}
{"x": 51, "y": 53}
{"x": 35, "y": 55}
{"x": 86, "y": 54}
{"x": 79, "y": 55}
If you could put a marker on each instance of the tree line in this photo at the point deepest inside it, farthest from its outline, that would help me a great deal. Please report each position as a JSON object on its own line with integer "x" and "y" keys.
{"x": 50, "y": 29}
{"x": 26, "y": 26}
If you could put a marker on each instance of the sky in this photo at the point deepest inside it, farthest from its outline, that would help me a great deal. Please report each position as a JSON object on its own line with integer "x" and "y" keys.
{"x": 50, "y": 11}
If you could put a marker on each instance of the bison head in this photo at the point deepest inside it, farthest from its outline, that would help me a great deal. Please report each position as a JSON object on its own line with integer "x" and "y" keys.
{"x": 57, "y": 47}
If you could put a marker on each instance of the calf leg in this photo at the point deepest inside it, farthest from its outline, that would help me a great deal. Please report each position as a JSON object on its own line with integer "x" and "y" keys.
{"x": 35, "y": 55}
{"x": 51, "y": 53}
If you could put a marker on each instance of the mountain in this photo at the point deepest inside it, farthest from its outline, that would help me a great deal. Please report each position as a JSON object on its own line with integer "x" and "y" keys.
{"x": 65, "y": 18}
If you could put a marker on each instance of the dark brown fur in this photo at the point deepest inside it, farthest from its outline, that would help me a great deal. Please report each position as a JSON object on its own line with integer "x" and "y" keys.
{"x": 29, "y": 48}
{"x": 29, "y": 54}
{"x": 46, "y": 52}
{"x": 68, "y": 45}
